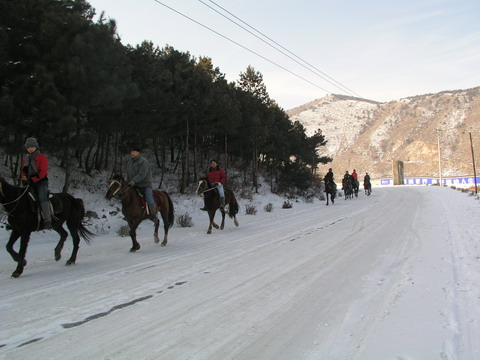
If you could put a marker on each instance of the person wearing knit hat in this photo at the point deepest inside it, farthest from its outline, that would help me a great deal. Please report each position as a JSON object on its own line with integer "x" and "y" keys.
{"x": 34, "y": 172}
{"x": 139, "y": 175}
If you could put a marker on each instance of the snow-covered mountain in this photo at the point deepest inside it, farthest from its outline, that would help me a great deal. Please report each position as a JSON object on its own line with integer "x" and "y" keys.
{"x": 368, "y": 135}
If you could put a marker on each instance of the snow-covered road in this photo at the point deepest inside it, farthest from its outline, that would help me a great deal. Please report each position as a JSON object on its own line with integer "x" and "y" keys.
{"x": 392, "y": 276}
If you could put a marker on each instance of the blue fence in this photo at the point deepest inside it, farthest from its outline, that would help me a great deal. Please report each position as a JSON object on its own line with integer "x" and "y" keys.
{"x": 449, "y": 181}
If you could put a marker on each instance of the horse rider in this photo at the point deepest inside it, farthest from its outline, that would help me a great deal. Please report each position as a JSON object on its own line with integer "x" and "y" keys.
{"x": 139, "y": 176}
{"x": 35, "y": 173}
{"x": 217, "y": 178}
{"x": 366, "y": 179}
{"x": 329, "y": 176}
{"x": 355, "y": 177}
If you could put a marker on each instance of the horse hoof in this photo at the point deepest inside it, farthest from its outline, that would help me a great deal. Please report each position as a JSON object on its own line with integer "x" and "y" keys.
{"x": 69, "y": 263}
{"x": 58, "y": 257}
{"x": 156, "y": 239}
{"x": 15, "y": 275}
{"x": 163, "y": 244}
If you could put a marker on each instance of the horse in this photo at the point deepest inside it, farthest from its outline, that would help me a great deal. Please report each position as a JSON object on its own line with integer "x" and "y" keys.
{"x": 135, "y": 211}
{"x": 355, "y": 186}
{"x": 330, "y": 189}
{"x": 212, "y": 202}
{"x": 367, "y": 186}
{"x": 347, "y": 187}
{"x": 24, "y": 218}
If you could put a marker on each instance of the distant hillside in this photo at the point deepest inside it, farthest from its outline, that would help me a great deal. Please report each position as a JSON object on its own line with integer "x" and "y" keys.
{"x": 367, "y": 135}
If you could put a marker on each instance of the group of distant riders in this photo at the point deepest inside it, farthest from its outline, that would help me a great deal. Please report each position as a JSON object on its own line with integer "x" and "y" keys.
{"x": 350, "y": 179}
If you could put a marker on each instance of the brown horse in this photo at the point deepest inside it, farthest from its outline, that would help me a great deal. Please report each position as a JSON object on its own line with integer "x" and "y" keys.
{"x": 212, "y": 202}
{"x": 135, "y": 211}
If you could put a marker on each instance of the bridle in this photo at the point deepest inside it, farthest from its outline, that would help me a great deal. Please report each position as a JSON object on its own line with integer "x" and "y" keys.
{"x": 204, "y": 191}
{"x": 117, "y": 192}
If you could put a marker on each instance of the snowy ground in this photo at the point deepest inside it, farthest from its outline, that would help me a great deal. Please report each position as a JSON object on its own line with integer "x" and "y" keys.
{"x": 392, "y": 276}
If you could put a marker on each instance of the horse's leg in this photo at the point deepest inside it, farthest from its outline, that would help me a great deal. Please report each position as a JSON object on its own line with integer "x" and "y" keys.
{"x": 76, "y": 243}
{"x": 166, "y": 226}
{"x": 222, "y": 225}
{"x": 21, "y": 255}
{"x": 59, "y": 247}
{"x": 211, "y": 215}
{"x": 155, "y": 232}
{"x": 133, "y": 234}
{"x": 11, "y": 241}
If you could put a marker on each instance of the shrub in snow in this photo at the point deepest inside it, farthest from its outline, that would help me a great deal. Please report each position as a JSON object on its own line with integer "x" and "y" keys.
{"x": 250, "y": 210}
{"x": 268, "y": 207}
{"x": 124, "y": 231}
{"x": 184, "y": 220}
{"x": 287, "y": 205}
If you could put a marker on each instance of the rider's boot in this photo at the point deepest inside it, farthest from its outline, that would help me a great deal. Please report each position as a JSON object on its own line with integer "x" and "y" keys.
{"x": 47, "y": 215}
{"x": 153, "y": 212}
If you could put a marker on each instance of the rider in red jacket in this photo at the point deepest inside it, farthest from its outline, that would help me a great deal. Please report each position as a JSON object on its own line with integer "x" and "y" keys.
{"x": 34, "y": 172}
{"x": 217, "y": 178}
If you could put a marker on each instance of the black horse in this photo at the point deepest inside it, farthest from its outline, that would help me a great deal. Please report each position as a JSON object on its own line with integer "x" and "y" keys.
{"x": 347, "y": 187}
{"x": 134, "y": 209}
{"x": 330, "y": 189}
{"x": 355, "y": 186}
{"x": 24, "y": 218}
{"x": 212, "y": 202}
{"x": 367, "y": 186}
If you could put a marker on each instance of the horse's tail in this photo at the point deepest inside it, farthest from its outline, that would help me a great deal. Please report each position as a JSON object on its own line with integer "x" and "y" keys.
{"x": 84, "y": 232}
{"x": 171, "y": 210}
{"x": 232, "y": 205}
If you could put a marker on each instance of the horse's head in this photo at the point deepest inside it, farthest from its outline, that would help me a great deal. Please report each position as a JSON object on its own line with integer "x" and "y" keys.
{"x": 203, "y": 185}
{"x": 115, "y": 186}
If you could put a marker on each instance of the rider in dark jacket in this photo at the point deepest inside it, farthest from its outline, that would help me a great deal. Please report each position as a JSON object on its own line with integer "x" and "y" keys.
{"x": 139, "y": 175}
{"x": 329, "y": 177}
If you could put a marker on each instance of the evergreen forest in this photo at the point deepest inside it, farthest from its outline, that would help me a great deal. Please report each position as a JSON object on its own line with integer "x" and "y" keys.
{"x": 67, "y": 79}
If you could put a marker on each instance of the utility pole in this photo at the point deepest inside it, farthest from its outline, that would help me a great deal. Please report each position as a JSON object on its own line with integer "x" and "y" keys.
{"x": 473, "y": 161}
{"x": 439, "y": 157}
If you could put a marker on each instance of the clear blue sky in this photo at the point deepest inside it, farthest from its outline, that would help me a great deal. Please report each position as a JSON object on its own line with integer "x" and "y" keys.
{"x": 380, "y": 50}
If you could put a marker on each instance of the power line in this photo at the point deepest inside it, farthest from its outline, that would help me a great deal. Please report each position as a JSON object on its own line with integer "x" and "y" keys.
{"x": 318, "y": 72}
{"x": 242, "y": 46}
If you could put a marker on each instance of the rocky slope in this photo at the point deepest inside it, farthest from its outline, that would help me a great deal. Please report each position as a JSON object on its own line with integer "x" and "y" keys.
{"x": 368, "y": 135}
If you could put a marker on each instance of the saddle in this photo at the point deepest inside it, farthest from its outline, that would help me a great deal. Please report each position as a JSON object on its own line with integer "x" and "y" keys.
{"x": 156, "y": 198}
{"x": 55, "y": 202}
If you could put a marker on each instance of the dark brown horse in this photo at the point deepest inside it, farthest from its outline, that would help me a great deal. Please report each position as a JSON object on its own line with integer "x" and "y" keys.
{"x": 367, "y": 186}
{"x": 347, "y": 184}
{"x": 24, "y": 218}
{"x": 330, "y": 189}
{"x": 212, "y": 202}
{"x": 135, "y": 210}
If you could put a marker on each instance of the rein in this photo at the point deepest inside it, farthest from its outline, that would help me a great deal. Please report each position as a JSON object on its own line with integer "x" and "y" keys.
{"x": 203, "y": 192}
{"x": 17, "y": 199}
{"x": 10, "y": 213}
